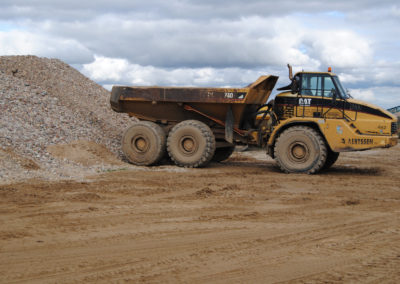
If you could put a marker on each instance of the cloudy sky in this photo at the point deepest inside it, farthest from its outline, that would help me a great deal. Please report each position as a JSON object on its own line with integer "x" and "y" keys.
{"x": 213, "y": 43}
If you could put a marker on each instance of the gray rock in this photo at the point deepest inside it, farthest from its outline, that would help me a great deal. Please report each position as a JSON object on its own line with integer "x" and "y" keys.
{"x": 58, "y": 105}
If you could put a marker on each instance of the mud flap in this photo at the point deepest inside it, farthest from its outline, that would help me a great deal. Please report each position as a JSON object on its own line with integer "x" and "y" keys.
{"x": 229, "y": 125}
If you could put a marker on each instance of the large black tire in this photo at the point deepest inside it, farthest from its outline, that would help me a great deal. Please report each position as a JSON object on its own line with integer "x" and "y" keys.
{"x": 143, "y": 143}
{"x": 191, "y": 144}
{"x": 223, "y": 153}
{"x": 331, "y": 158}
{"x": 300, "y": 149}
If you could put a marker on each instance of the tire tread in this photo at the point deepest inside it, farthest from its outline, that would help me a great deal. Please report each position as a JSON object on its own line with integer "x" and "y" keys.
{"x": 323, "y": 150}
{"x": 160, "y": 136}
{"x": 207, "y": 134}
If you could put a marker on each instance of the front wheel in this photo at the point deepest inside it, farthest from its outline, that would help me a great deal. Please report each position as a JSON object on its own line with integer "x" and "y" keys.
{"x": 300, "y": 149}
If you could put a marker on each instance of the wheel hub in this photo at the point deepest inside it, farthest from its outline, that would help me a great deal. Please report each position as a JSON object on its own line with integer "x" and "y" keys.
{"x": 298, "y": 152}
{"x": 140, "y": 144}
{"x": 188, "y": 145}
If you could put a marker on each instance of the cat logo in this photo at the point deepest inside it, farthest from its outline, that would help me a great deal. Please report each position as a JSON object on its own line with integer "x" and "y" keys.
{"x": 304, "y": 102}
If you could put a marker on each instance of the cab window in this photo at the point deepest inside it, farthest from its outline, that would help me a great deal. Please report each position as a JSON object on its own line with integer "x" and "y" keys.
{"x": 329, "y": 87}
{"x": 317, "y": 85}
{"x": 311, "y": 85}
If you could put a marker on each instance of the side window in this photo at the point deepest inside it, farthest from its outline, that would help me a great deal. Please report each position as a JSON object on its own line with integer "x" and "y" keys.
{"x": 311, "y": 85}
{"x": 329, "y": 87}
{"x": 317, "y": 85}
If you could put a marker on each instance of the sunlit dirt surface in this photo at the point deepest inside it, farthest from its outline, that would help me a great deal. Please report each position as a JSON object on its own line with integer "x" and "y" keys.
{"x": 241, "y": 221}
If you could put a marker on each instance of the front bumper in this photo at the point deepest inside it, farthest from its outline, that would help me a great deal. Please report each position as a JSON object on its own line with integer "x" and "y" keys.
{"x": 391, "y": 141}
{"x": 364, "y": 142}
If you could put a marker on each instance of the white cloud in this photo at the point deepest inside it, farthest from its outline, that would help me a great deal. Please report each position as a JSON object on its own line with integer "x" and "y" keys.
{"x": 120, "y": 71}
{"x": 114, "y": 71}
{"x": 248, "y": 42}
{"x": 16, "y": 42}
{"x": 386, "y": 72}
{"x": 395, "y": 11}
{"x": 363, "y": 94}
{"x": 351, "y": 77}
{"x": 385, "y": 97}
{"x": 343, "y": 49}
{"x": 103, "y": 68}
{"x": 189, "y": 9}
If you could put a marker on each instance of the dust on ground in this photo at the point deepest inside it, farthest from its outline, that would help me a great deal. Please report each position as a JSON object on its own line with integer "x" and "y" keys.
{"x": 241, "y": 221}
{"x": 86, "y": 153}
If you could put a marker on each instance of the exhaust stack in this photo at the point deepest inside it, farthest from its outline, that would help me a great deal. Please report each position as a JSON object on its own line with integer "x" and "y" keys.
{"x": 290, "y": 72}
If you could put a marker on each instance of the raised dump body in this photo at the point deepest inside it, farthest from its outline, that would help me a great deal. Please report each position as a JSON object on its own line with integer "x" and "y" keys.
{"x": 174, "y": 104}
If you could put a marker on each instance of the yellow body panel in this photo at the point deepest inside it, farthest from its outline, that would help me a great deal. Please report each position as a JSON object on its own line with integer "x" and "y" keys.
{"x": 340, "y": 136}
{"x": 343, "y": 129}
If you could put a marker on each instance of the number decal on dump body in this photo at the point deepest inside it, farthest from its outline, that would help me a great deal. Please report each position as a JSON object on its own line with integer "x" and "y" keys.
{"x": 234, "y": 95}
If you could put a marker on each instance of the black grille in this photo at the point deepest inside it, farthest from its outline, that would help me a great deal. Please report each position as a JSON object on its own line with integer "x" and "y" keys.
{"x": 394, "y": 128}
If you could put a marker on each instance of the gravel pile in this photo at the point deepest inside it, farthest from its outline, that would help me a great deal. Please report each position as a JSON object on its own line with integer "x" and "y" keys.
{"x": 45, "y": 102}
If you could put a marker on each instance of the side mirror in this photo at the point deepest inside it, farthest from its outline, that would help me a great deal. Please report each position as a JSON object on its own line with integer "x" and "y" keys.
{"x": 334, "y": 95}
{"x": 295, "y": 85}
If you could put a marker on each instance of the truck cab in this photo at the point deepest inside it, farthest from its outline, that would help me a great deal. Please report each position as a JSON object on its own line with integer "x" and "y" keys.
{"x": 319, "y": 101}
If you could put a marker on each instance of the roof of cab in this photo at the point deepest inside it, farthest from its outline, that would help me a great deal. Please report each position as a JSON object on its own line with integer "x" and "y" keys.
{"x": 313, "y": 72}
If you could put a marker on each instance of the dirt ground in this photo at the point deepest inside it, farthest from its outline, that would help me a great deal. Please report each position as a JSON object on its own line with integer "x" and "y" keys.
{"x": 242, "y": 221}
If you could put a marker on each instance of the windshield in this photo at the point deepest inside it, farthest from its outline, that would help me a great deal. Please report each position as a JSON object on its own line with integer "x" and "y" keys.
{"x": 340, "y": 88}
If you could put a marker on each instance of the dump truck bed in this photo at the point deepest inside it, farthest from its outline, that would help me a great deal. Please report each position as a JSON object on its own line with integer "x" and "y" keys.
{"x": 175, "y": 104}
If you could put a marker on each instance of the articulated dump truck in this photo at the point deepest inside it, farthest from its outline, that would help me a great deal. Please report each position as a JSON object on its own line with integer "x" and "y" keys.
{"x": 304, "y": 128}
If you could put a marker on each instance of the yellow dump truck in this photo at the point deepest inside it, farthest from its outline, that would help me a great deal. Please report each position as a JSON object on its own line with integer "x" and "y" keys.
{"x": 304, "y": 128}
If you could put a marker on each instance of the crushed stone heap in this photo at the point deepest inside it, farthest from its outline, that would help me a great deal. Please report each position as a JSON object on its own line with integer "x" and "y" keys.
{"x": 46, "y": 102}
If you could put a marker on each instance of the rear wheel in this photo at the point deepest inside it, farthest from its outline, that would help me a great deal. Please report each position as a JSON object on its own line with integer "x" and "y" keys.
{"x": 191, "y": 144}
{"x": 143, "y": 143}
{"x": 223, "y": 153}
{"x": 331, "y": 158}
{"x": 300, "y": 149}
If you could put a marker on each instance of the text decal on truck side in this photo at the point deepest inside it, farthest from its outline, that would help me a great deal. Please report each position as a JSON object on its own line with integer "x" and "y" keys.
{"x": 358, "y": 141}
{"x": 227, "y": 95}
{"x": 304, "y": 102}
{"x": 234, "y": 95}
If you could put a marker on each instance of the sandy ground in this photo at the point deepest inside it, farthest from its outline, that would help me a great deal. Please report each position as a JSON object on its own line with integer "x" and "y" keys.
{"x": 242, "y": 221}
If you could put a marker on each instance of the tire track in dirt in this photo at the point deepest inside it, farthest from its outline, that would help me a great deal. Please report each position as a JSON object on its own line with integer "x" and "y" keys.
{"x": 234, "y": 223}
{"x": 234, "y": 246}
